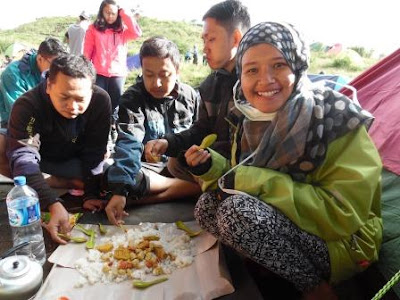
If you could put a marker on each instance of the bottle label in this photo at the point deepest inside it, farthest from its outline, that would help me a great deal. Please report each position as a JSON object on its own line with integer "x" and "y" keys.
{"x": 24, "y": 216}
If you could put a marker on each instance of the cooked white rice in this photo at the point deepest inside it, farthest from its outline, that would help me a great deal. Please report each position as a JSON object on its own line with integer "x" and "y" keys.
{"x": 174, "y": 242}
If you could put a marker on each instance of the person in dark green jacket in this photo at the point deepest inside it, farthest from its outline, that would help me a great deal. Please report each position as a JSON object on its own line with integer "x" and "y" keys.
{"x": 301, "y": 193}
{"x": 24, "y": 74}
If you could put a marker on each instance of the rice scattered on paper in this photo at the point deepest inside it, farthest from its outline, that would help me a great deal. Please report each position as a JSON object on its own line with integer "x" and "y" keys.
{"x": 147, "y": 250}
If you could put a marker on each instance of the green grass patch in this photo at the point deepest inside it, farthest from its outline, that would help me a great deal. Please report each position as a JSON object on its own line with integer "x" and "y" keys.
{"x": 185, "y": 35}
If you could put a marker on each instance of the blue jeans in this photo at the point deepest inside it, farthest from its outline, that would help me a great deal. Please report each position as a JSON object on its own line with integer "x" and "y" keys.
{"x": 114, "y": 87}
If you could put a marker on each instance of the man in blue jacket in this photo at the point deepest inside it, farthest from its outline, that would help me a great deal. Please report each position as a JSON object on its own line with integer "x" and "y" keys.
{"x": 22, "y": 75}
{"x": 157, "y": 104}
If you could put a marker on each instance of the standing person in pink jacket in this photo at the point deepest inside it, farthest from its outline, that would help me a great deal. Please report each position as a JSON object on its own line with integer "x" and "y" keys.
{"x": 106, "y": 46}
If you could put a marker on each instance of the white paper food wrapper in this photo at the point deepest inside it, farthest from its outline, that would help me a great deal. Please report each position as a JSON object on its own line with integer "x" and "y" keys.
{"x": 206, "y": 278}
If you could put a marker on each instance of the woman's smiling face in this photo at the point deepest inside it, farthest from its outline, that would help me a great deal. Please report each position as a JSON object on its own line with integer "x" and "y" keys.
{"x": 267, "y": 80}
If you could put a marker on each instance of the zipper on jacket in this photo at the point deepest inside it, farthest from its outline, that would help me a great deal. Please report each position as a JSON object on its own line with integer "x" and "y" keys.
{"x": 166, "y": 119}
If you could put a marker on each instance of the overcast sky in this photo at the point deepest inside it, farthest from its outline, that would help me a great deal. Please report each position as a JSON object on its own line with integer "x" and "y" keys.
{"x": 371, "y": 24}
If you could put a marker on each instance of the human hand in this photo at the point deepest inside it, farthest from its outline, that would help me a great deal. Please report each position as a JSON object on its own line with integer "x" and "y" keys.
{"x": 196, "y": 156}
{"x": 154, "y": 149}
{"x": 59, "y": 222}
{"x": 93, "y": 204}
{"x": 115, "y": 209}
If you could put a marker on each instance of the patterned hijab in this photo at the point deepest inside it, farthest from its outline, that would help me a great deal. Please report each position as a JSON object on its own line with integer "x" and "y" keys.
{"x": 296, "y": 140}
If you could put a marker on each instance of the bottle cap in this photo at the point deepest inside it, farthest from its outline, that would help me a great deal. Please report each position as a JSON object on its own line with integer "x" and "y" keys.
{"x": 19, "y": 180}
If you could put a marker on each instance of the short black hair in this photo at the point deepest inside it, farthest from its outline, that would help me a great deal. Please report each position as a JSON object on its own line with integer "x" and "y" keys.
{"x": 51, "y": 47}
{"x": 75, "y": 66}
{"x": 160, "y": 47}
{"x": 230, "y": 14}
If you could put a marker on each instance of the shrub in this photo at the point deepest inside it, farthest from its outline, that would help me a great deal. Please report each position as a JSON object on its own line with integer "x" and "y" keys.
{"x": 342, "y": 62}
{"x": 362, "y": 51}
{"x": 345, "y": 63}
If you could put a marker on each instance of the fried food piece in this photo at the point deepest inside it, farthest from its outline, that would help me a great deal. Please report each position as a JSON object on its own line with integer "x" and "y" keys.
{"x": 151, "y": 238}
{"x": 160, "y": 253}
{"x": 104, "y": 248}
{"x": 122, "y": 253}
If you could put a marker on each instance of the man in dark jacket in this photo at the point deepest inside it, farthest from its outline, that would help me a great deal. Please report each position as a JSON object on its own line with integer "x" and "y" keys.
{"x": 60, "y": 128}
{"x": 156, "y": 105}
{"x": 224, "y": 25}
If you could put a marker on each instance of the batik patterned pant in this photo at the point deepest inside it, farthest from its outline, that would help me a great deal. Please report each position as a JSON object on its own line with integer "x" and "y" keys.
{"x": 263, "y": 234}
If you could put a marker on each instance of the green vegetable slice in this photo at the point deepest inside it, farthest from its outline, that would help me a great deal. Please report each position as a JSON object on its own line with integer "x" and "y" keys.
{"x": 208, "y": 141}
{"x": 102, "y": 229}
{"x": 145, "y": 284}
{"x": 68, "y": 238}
{"x": 90, "y": 243}
{"x": 88, "y": 232}
{"x": 189, "y": 231}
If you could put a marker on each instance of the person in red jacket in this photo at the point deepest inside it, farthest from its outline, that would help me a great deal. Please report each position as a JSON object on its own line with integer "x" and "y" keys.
{"x": 106, "y": 46}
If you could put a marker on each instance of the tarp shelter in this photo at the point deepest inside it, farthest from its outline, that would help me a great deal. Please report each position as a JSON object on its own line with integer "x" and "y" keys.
{"x": 335, "y": 49}
{"x": 378, "y": 91}
{"x": 335, "y": 82}
{"x": 16, "y": 50}
{"x": 133, "y": 62}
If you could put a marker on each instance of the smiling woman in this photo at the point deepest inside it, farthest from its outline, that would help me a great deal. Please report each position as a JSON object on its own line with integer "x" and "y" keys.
{"x": 267, "y": 78}
{"x": 288, "y": 188}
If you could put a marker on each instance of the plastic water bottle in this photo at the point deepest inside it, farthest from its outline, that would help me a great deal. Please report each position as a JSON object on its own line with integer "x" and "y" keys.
{"x": 24, "y": 217}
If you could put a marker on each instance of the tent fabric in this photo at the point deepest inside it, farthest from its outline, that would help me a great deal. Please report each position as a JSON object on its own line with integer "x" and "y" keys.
{"x": 335, "y": 49}
{"x": 15, "y": 49}
{"x": 133, "y": 62}
{"x": 378, "y": 91}
{"x": 389, "y": 258}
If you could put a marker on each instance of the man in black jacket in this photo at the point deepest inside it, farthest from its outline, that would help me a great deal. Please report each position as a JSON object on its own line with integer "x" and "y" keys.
{"x": 224, "y": 25}
{"x": 156, "y": 104}
{"x": 61, "y": 128}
